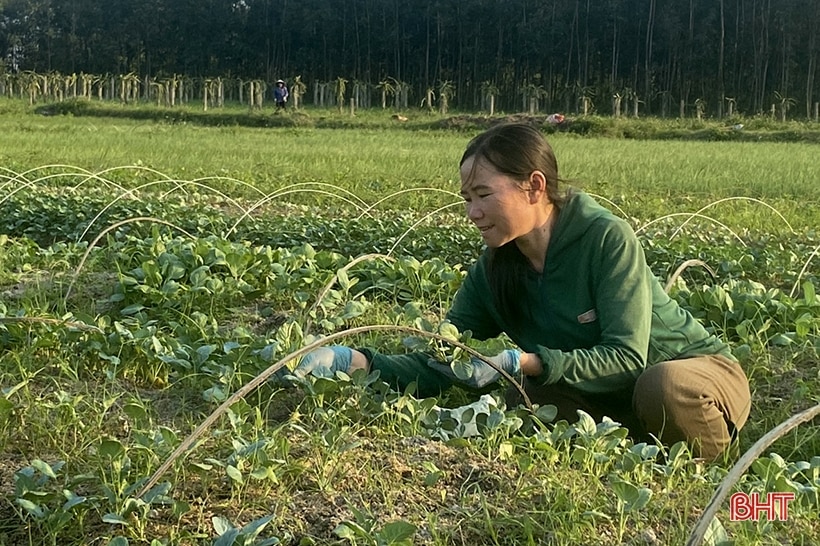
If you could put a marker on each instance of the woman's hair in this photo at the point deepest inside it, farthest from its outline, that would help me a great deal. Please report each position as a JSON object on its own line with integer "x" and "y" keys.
{"x": 515, "y": 150}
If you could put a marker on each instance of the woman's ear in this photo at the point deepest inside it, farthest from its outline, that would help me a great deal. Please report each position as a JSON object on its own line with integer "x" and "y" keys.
{"x": 538, "y": 186}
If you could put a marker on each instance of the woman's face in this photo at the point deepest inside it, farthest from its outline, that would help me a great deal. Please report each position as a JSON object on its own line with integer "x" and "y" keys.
{"x": 496, "y": 203}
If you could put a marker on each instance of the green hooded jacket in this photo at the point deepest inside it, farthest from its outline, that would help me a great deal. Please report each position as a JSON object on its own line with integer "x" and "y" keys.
{"x": 596, "y": 316}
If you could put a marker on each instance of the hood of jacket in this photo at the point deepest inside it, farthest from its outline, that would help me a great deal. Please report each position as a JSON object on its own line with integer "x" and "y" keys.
{"x": 576, "y": 216}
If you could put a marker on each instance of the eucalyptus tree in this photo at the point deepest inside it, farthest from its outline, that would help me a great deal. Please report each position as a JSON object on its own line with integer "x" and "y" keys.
{"x": 70, "y": 85}
{"x": 671, "y": 51}
{"x": 206, "y": 89}
{"x": 636, "y": 102}
{"x": 489, "y": 91}
{"x": 298, "y": 89}
{"x": 6, "y": 85}
{"x": 129, "y": 86}
{"x": 532, "y": 94}
{"x": 429, "y": 98}
{"x": 387, "y": 87}
{"x": 256, "y": 92}
{"x": 402, "y": 94}
{"x": 617, "y": 100}
{"x": 806, "y": 19}
{"x": 252, "y": 94}
{"x": 730, "y": 105}
{"x": 446, "y": 91}
{"x": 45, "y": 84}
{"x": 784, "y": 104}
{"x": 721, "y": 84}
{"x": 321, "y": 94}
{"x": 585, "y": 97}
{"x": 30, "y": 83}
{"x": 159, "y": 90}
{"x": 649, "y": 44}
{"x": 361, "y": 94}
{"x": 100, "y": 83}
{"x": 172, "y": 84}
{"x": 86, "y": 82}
{"x": 340, "y": 88}
{"x": 700, "y": 108}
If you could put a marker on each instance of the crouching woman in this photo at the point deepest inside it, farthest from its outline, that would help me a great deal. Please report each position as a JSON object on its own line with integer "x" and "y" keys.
{"x": 567, "y": 281}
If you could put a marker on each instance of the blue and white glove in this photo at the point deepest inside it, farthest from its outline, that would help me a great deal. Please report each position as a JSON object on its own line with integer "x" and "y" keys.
{"x": 325, "y": 362}
{"x": 483, "y": 374}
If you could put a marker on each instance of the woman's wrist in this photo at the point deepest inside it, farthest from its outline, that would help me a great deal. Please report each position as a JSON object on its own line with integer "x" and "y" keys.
{"x": 531, "y": 365}
{"x": 358, "y": 361}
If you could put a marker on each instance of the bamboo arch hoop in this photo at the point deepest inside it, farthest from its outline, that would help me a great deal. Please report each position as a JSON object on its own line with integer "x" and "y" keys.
{"x": 699, "y": 532}
{"x": 262, "y": 377}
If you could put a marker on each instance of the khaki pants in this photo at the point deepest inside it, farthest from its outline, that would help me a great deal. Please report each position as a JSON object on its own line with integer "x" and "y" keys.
{"x": 703, "y": 401}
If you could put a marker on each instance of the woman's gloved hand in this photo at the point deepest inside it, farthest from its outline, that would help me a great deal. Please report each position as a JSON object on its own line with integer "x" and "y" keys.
{"x": 325, "y": 362}
{"x": 483, "y": 374}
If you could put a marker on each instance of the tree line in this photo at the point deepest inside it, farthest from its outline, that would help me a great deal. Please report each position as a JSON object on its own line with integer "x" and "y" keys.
{"x": 656, "y": 57}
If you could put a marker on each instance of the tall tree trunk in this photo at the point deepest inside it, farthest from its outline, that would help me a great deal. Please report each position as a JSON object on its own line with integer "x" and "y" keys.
{"x": 427, "y": 49}
{"x": 720, "y": 82}
{"x": 761, "y": 52}
{"x": 437, "y": 73}
{"x": 784, "y": 61}
{"x": 686, "y": 80}
{"x": 572, "y": 34}
{"x": 736, "y": 60}
{"x": 650, "y": 31}
{"x": 585, "y": 79}
{"x": 357, "y": 61}
{"x": 613, "y": 71}
{"x": 460, "y": 78}
{"x": 397, "y": 44}
{"x": 810, "y": 74}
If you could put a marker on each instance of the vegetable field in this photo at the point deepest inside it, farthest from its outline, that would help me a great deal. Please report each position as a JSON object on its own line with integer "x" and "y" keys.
{"x": 149, "y": 271}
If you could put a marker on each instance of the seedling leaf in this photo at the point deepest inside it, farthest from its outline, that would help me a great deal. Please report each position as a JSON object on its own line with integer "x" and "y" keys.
{"x": 44, "y": 468}
{"x": 397, "y": 532}
{"x": 252, "y": 530}
{"x": 228, "y": 538}
{"x": 809, "y": 293}
{"x": 115, "y": 519}
{"x": 221, "y": 525}
{"x": 33, "y": 509}
{"x": 156, "y": 492}
{"x": 73, "y": 500}
{"x": 546, "y": 413}
{"x": 234, "y": 474}
{"x": 586, "y": 424}
{"x": 633, "y": 498}
{"x": 715, "y": 534}
{"x": 449, "y": 331}
{"x": 350, "y": 529}
{"x": 6, "y": 409}
{"x": 132, "y": 309}
{"x": 463, "y": 369}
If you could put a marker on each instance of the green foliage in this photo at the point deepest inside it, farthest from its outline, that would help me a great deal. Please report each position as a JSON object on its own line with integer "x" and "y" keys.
{"x": 99, "y": 388}
{"x": 746, "y": 312}
{"x": 365, "y": 531}
{"x": 228, "y": 535}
